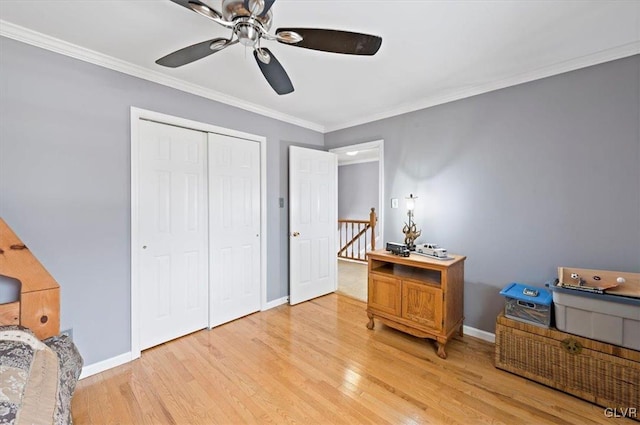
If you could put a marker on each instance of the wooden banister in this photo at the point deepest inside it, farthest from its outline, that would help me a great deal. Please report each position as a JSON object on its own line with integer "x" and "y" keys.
{"x": 372, "y": 223}
{"x": 351, "y": 234}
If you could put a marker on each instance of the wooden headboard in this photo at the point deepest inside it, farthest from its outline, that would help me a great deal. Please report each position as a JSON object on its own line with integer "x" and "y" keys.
{"x": 39, "y": 306}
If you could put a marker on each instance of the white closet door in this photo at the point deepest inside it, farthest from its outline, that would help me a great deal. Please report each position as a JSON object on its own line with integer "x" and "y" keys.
{"x": 173, "y": 232}
{"x": 234, "y": 225}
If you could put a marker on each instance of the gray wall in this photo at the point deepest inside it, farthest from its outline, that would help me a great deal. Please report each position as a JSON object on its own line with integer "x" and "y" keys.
{"x": 65, "y": 180}
{"x": 357, "y": 190}
{"x": 521, "y": 180}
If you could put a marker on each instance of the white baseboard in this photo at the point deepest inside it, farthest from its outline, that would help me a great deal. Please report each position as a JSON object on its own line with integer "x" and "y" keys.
{"x": 94, "y": 368}
{"x": 275, "y": 303}
{"x": 480, "y": 334}
{"x": 123, "y": 358}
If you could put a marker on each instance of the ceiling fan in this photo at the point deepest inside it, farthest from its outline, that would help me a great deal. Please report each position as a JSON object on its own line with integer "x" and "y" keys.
{"x": 249, "y": 22}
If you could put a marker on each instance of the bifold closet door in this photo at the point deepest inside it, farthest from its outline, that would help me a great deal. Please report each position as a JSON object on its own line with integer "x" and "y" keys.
{"x": 173, "y": 230}
{"x": 234, "y": 227}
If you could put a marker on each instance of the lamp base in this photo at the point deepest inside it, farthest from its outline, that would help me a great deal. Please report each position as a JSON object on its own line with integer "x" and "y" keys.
{"x": 411, "y": 233}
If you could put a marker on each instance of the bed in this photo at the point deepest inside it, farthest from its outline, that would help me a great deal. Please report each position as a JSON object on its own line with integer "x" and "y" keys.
{"x": 39, "y": 368}
{"x": 37, "y": 378}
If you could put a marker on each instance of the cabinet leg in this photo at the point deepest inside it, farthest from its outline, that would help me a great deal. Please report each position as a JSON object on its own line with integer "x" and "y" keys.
{"x": 370, "y": 325}
{"x": 441, "y": 353}
{"x": 460, "y": 331}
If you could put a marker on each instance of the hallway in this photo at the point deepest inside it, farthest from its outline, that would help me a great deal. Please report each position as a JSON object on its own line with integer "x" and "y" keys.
{"x": 352, "y": 279}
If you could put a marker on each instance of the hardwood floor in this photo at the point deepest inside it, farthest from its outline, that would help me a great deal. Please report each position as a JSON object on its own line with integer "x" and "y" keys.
{"x": 316, "y": 363}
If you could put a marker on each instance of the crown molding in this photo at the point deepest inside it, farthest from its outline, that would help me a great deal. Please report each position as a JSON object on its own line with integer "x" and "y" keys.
{"x": 43, "y": 41}
{"x": 34, "y": 38}
{"x": 619, "y": 52}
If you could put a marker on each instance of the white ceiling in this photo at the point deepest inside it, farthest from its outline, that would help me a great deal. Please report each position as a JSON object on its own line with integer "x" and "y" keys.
{"x": 432, "y": 51}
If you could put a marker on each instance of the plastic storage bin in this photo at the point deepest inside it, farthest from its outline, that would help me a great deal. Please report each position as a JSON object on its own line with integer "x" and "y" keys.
{"x": 607, "y": 318}
{"x": 528, "y": 304}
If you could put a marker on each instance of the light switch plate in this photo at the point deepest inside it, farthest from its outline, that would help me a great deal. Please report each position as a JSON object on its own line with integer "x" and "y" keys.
{"x": 394, "y": 202}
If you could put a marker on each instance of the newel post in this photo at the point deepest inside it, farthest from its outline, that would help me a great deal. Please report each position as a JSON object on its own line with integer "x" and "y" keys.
{"x": 372, "y": 223}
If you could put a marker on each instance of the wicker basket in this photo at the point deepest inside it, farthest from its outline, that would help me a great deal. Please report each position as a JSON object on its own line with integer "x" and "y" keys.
{"x": 601, "y": 373}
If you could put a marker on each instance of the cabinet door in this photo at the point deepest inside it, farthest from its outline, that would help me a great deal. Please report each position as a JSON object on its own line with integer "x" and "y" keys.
{"x": 384, "y": 294}
{"x": 422, "y": 304}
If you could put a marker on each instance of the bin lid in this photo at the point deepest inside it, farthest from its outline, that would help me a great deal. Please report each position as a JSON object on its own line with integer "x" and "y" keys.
{"x": 529, "y": 293}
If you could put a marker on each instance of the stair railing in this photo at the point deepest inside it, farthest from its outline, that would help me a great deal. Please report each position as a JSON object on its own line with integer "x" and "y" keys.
{"x": 357, "y": 237}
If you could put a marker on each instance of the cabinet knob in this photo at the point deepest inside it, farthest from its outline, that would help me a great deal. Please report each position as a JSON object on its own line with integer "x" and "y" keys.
{"x": 296, "y": 234}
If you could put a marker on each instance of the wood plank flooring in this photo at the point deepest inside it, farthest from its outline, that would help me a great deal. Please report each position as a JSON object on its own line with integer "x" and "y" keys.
{"x": 316, "y": 363}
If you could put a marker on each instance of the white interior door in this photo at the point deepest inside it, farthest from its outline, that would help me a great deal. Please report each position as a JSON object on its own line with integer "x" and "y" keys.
{"x": 313, "y": 219}
{"x": 172, "y": 222}
{"x": 234, "y": 223}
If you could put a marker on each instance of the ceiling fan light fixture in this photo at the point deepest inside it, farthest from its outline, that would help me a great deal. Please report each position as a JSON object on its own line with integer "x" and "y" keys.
{"x": 248, "y": 33}
{"x": 289, "y": 37}
{"x": 205, "y": 11}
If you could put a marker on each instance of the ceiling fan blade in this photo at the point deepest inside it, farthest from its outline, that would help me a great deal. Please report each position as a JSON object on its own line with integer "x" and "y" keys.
{"x": 267, "y": 5}
{"x": 274, "y": 72}
{"x": 334, "y": 41}
{"x": 194, "y": 52}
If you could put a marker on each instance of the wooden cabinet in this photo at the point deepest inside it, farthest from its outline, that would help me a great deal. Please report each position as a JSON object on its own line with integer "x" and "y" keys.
{"x": 418, "y": 295}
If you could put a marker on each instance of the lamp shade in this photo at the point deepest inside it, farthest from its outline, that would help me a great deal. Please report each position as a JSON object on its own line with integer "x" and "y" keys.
{"x": 411, "y": 204}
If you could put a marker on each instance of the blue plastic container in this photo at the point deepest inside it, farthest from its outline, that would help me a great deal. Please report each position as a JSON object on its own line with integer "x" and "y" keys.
{"x": 528, "y": 304}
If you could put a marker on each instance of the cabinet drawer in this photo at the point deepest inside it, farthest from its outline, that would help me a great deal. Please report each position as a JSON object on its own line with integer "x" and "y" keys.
{"x": 422, "y": 304}
{"x": 384, "y": 293}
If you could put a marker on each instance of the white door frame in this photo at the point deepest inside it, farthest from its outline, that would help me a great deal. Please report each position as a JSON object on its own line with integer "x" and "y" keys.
{"x": 381, "y": 202}
{"x": 138, "y": 114}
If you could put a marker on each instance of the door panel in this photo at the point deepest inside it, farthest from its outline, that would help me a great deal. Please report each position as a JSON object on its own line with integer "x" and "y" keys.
{"x": 173, "y": 232}
{"x": 422, "y": 304}
{"x": 234, "y": 222}
{"x": 385, "y": 293}
{"x": 312, "y": 223}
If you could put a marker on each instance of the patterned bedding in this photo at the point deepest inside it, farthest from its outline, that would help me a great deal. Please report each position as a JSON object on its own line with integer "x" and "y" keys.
{"x": 37, "y": 378}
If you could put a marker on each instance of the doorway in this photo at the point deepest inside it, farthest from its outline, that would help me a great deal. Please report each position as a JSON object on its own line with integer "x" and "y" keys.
{"x": 360, "y": 188}
{"x": 256, "y": 148}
